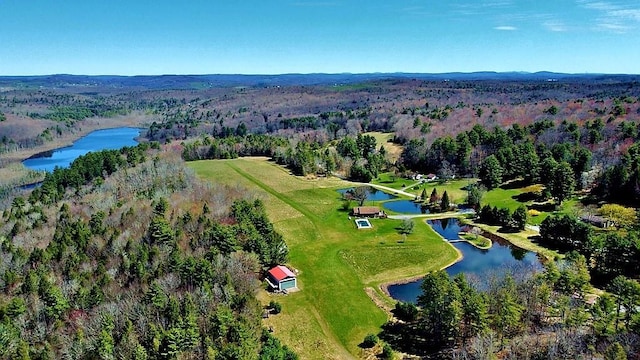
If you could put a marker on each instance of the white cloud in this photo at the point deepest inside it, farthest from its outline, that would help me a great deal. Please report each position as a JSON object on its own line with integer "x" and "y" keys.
{"x": 617, "y": 28}
{"x": 555, "y": 26}
{"x": 631, "y": 14}
{"x": 505, "y": 28}
{"x": 598, "y": 5}
{"x": 617, "y": 17}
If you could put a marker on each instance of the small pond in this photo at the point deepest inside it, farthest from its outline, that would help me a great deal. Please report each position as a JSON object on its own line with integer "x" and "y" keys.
{"x": 95, "y": 141}
{"x": 373, "y": 194}
{"x": 406, "y": 207}
{"x": 476, "y": 264}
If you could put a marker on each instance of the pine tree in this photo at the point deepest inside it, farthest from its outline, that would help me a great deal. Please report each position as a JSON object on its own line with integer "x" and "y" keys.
{"x": 433, "y": 198}
{"x": 491, "y": 172}
{"x": 444, "y": 202}
{"x": 475, "y": 318}
{"x": 615, "y": 351}
{"x": 441, "y": 308}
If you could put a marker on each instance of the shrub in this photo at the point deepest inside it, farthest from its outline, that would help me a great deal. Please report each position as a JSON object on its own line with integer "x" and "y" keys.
{"x": 370, "y": 341}
{"x": 406, "y": 311}
{"x": 275, "y": 307}
{"x": 387, "y": 351}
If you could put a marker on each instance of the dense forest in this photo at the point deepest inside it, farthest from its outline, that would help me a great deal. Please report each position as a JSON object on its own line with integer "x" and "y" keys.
{"x": 126, "y": 255}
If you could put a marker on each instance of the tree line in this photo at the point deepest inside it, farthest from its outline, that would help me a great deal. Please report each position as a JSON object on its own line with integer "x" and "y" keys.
{"x": 357, "y": 156}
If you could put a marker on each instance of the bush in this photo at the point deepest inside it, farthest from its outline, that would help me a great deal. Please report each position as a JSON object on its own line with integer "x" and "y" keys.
{"x": 406, "y": 311}
{"x": 275, "y": 307}
{"x": 370, "y": 341}
{"x": 387, "y": 351}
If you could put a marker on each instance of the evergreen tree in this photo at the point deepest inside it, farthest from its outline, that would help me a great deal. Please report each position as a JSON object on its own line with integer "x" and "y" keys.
{"x": 562, "y": 183}
{"x": 615, "y": 351}
{"x": 433, "y": 198}
{"x": 475, "y": 318}
{"x": 519, "y": 217}
{"x": 441, "y": 308}
{"x": 491, "y": 172}
{"x": 505, "y": 309}
{"x": 444, "y": 202}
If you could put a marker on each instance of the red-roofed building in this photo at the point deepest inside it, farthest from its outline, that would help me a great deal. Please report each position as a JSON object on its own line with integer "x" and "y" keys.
{"x": 281, "y": 278}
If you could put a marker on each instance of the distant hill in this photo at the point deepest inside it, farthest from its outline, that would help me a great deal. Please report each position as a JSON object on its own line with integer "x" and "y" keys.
{"x": 160, "y": 82}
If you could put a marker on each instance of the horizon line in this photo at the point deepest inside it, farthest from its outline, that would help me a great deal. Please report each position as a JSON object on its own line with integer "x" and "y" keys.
{"x": 513, "y": 72}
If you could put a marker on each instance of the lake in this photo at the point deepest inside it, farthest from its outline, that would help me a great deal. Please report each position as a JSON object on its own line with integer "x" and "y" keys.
{"x": 373, "y": 194}
{"x": 476, "y": 264}
{"x": 406, "y": 207}
{"x": 108, "y": 139}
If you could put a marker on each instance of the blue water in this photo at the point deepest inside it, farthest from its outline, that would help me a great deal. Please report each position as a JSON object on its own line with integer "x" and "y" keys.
{"x": 95, "y": 141}
{"x": 448, "y": 228}
{"x": 477, "y": 265}
{"x": 406, "y": 207}
{"x": 373, "y": 194}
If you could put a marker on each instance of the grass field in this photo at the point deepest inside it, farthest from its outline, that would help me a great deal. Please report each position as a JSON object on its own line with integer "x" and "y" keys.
{"x": 338, "y": 264}
{"x": 393, "y": 150}
{"x": 509, "y": 198}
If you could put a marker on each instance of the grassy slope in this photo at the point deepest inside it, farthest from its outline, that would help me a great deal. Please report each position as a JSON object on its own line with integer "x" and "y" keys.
{"x": 332, "y": 313}
{"x": 393, "y": 150}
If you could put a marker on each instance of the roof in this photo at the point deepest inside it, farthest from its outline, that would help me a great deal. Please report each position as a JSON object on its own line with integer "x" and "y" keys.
{"x": 594, "y": 219}
{"x": 281, "y": 272}
{"x": 364, "y": 210}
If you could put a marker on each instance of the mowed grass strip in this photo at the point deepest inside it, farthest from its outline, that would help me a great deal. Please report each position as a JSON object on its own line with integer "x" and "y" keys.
{"x": 336, "y": 261}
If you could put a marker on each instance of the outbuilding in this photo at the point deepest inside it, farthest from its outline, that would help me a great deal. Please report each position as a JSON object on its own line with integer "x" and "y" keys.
{"x": 598, "y": 221}
{"x": 368, "y": 211}
{"x": 281, "y": 278}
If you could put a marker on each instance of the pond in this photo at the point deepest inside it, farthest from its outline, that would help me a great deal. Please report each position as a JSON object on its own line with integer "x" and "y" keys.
{"x": 476, "y": 264}
{"x": 406, "y": 207}
{"x": 115, "y": 138}
{"x": 373, "y": 194}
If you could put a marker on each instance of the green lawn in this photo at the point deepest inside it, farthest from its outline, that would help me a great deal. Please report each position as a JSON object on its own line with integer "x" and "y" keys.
{"x": 508, "y": 198}
{"x": 502, "y": 198}
{"x": 332, "y": 313}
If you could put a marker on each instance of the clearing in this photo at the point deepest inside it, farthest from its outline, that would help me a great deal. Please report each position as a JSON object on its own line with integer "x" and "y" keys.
{"x": 338, "y": 264}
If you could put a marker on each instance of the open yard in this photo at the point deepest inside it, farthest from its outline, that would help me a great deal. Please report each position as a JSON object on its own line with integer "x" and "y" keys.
{"x": 512, "y": 198}
{"x": 338, "y": 263}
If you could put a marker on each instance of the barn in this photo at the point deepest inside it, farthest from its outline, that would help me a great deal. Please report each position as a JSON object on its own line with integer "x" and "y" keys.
{"x": 281, "y": 278}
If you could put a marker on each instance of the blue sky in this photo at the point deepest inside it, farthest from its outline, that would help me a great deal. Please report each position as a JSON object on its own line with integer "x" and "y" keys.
{"x": 129, "y": 37}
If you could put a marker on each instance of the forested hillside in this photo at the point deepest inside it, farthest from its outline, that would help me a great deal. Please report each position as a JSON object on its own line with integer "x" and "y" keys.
{"x": 126, "y": 255}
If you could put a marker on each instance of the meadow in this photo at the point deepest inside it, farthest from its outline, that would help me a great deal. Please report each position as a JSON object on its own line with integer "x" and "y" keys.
{"x": 340, "y": 268}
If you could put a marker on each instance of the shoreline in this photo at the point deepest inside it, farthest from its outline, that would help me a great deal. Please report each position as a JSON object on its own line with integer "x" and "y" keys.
{"x": 66, "y": 140}
{"x": 384, "y": 287}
